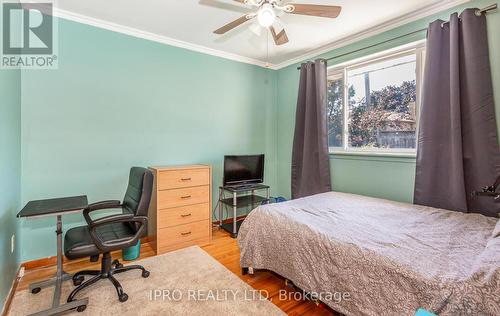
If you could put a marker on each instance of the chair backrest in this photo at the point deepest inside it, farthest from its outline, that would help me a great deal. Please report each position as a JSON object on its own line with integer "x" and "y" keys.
{"x": 139, "y": 190}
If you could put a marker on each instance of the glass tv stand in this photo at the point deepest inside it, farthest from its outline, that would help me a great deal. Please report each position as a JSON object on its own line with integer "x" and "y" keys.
{"x": 239, "y": 196}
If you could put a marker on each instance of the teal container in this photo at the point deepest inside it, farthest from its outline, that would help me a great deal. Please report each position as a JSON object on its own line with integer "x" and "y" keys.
{"x": 423, "y": 312}
{"x": 132, "y": 253}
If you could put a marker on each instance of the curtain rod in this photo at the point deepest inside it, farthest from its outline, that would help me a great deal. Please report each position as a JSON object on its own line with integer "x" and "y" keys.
{"x": 478, "y": 12}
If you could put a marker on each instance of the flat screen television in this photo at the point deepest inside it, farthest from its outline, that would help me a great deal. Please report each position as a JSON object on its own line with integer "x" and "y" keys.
{"x": 243, "y": 170}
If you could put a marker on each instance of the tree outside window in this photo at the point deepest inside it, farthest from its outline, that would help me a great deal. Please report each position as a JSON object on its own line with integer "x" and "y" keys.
{"x": 381, "y": 105}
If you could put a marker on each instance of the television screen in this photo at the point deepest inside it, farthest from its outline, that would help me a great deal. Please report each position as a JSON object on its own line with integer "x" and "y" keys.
{"x": 241, "y": 170}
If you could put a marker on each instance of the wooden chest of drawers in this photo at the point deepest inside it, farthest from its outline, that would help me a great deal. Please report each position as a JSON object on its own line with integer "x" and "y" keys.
{"x": 179, "y": 215}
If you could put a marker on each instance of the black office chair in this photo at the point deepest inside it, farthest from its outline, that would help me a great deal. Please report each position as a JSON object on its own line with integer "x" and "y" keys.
{"x": 109, "y": 233}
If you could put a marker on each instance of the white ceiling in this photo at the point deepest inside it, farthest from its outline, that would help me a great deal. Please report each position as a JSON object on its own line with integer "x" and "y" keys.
{"x": 193, "y": 22}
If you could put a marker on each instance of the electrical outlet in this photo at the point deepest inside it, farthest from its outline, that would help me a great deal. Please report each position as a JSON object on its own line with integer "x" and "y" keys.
{"x": 12, "y": 243}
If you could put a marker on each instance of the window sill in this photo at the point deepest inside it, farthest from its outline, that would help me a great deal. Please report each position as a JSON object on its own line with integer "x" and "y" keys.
{"x": 409, "y": 155}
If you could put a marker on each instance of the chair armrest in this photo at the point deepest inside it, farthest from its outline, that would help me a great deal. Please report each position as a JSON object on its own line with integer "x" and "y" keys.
{"x": 99, "y": 206}
{"x": 106, "y": 246}
{"x": 111, "y": 219}
{"x": 104, "y": 204}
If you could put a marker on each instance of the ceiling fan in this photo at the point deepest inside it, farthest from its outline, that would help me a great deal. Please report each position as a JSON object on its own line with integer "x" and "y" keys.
{"x": 268, "y": 12}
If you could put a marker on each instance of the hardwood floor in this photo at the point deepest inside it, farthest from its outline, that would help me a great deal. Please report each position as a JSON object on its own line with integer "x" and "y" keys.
{"x": 225, "y": 250}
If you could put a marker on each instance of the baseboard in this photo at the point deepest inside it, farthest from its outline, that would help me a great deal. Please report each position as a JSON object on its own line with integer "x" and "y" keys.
{"x": 10, "y": 296}
{"x": 229, "y": 220}
{"x": 51, "y": 261}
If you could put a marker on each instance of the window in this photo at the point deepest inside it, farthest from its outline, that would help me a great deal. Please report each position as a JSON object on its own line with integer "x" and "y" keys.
{"x": 373, "y": 104}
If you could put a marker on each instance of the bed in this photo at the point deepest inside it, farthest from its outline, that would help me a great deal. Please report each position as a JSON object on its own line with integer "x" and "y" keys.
{"x": 391, "y": 258}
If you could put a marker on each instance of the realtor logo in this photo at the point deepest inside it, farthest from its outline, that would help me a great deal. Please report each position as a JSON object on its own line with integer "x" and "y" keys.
{"x": 28, "y": 35}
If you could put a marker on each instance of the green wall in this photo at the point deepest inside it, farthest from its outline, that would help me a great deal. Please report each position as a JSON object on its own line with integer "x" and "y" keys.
{"x": 10, "y": 173}
{"x": 118, "y": 101}
{"x": 379, "y": 176}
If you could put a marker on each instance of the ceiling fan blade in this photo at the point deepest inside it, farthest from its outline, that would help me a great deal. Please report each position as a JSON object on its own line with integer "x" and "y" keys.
{"x": 325, "y": 11}
{"x": 279, "y": 38}
{"x": 232, "y": 24}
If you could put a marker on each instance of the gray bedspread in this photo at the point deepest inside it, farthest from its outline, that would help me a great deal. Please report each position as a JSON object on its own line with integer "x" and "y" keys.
{"x": 392, "y": 258}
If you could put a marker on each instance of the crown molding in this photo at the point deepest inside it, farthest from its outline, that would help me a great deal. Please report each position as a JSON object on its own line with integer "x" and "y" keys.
{"x": 67, "y": 15}
{"x": 378, "y": 29}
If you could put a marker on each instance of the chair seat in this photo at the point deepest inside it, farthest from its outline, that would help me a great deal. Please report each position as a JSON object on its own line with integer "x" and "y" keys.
{"x": 78, "y": 243}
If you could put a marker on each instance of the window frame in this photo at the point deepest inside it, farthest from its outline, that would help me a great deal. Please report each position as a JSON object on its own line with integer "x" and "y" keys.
{"x": 341, "y": 70}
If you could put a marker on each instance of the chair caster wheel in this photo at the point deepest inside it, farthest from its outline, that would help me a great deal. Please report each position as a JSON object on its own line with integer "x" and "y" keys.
{"x": 78, "y": 281}
{"x": 145, "y": 274}
{"x": 36, "y": 290}
{"x": 117, "y": 264}
{"x": 81, "y": 308}
{"x": 123, "y": 297}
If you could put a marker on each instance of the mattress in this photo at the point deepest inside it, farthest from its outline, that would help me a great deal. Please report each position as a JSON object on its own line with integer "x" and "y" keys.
{"x": 368, "y": 256}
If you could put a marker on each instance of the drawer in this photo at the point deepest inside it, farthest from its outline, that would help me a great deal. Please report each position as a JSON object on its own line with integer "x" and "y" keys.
{"x": 182, "y": 215}
{"x": 183, "y": 233}
{"x": 182, "y": 197}
{"x": 183, "y": 178}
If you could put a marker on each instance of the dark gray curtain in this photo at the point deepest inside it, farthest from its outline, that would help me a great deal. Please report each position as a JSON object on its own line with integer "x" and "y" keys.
{"x": 310, "y": 161}
{"x": 458, "y": 149}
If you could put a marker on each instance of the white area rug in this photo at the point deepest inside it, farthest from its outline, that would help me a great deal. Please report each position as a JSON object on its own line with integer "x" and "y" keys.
{"x": 183, "y": 282}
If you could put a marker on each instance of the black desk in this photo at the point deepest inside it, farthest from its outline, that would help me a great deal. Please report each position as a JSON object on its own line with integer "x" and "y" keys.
{"x": 55, "y": 207}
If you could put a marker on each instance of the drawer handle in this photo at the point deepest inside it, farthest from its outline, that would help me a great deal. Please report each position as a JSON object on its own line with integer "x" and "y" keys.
{"x": 185, "y": 197}
{"x": 186, "y": 233}
{"x": 185, "y": 179}
{"x": 185, "y": 215}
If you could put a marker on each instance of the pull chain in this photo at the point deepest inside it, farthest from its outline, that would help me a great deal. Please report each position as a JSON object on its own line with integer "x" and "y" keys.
{"x": 267, "y": 48}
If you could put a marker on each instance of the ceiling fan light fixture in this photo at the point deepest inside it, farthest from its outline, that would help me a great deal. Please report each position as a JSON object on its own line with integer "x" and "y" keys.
{"x": 266, "y": 15}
